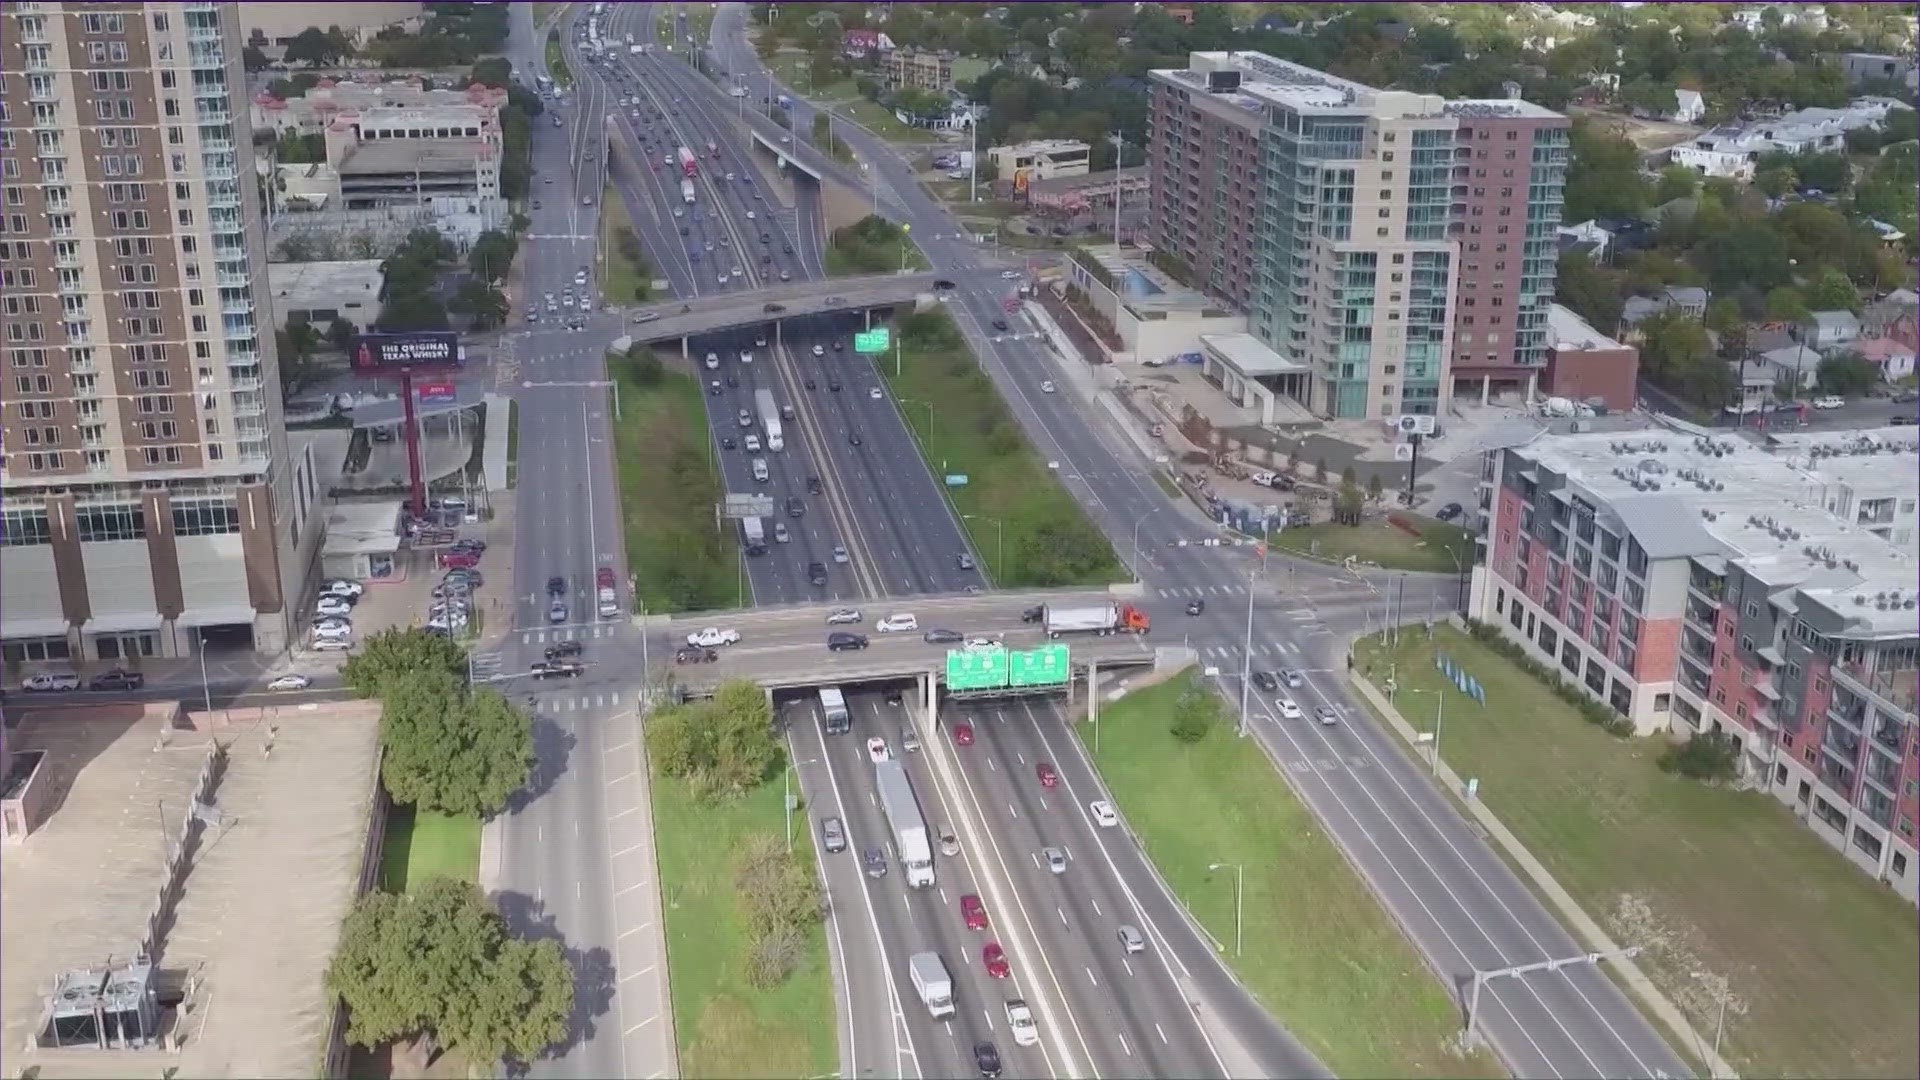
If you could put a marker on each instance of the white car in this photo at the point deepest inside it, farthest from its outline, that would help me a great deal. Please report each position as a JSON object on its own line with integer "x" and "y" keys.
{"x": 712, "y": 636}
{"x": 337, "y": 631}
{"x": 352, "y": 590}
{"x": 1290, "y": 711}
{"x": 339, "y": 644}
{"x": 874, "y": 393}
{"x": 1830, "y": 401}
{"x": 332, "y": 605}
{"x": 1009, "y": 275}
{"x": 1020, "y": 1021}
{"x": 1047, "y": 387}
{"x": 290, "y": 682}
{"x": 877, "y": 750}
{"x": 713, "y": 361}
{"x": 1103, "y": 814}
{"x": 50, "y": 682}
{"x": 752, "y": 443}
{"x": 843, "y": 616}
{"x": 750, "y": 214}
{"x": 746, "y": 356}
{"x": 894, "y": 624}
{"x": 819, "y": 350}
{"x": 723, "y": 279}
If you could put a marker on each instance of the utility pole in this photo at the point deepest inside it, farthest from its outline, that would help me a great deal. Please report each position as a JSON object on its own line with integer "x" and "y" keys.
{"x": 1246, "y": 657}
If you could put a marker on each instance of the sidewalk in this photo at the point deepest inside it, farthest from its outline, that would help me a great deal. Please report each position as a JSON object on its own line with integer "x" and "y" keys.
{"x": 1578, "y": 921}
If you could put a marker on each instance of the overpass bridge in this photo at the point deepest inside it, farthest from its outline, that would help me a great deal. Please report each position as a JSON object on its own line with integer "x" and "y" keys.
{"x": 674, "y": 319}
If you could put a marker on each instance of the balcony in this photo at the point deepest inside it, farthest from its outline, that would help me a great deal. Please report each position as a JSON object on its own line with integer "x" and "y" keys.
{"x": 241, "y": 383}
{"x": 236, "y": 305}
{"x": 1884, "y": 771}
{"x": 1889, "y": 734}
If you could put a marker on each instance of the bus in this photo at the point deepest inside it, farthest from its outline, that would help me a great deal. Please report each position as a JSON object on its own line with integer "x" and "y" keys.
{"x": 833, "y": 705}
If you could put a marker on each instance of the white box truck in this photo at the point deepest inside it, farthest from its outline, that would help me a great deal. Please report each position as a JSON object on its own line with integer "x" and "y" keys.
{"x": 770, "y": 419}
{"x": 833, "y": 705}
{"x": 932, "y": 983}
{"x": 909, "y": 828}
{"x": 609, "y": 603}
{"x": 686, "y": 192}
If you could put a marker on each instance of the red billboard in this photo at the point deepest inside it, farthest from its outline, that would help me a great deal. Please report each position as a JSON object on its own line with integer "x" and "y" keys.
{"x": 392, "y": 354}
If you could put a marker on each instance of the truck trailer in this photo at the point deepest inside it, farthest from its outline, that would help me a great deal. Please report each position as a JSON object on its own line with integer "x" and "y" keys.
{"x": 770, "y": 419}
{"x": 689, "y": 165}
{"x": 932, "y": 983}
{"x": 909, "y": 828}
{"x": 833, "y": 706}
{"x": 686, "y": 192}
{"x": 753, "y": 536}
{"x": 1101, "y": 619}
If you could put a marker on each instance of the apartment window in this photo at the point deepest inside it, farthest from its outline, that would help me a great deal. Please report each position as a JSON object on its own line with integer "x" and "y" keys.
{"x": 205, "y": 517}
{"x": 24, "y": 528}
{"x": 122, "y": 521}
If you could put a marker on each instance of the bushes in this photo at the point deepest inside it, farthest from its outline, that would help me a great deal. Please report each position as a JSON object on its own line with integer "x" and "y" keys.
{"x": 871, "y": 244}
{"x": 1592, "y": 711}
{"x": 782, "y": 900}
{"x": 722, "y": 747}
{"x": 1712, "y": 756}
{"x": 1195, "y": 714}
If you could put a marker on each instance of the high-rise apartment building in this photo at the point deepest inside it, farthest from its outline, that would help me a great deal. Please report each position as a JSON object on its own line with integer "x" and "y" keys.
{"x": 1387, "y": 244}
{"x": 1695, "y": 583}
{"x": 147, "y": 498}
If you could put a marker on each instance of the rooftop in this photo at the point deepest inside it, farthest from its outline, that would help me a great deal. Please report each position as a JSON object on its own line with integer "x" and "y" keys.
{"x": 363, "y": 528}
{"x": 411, "y": 155}
{"x": 1268, "y": 80}
{"x": 1682, "y": 494}
{"x": 1567, "y": 330}
{"x": 1250, "y": 356}
{"x": 1094, "y": 181}
{"x": 340, "y": 285}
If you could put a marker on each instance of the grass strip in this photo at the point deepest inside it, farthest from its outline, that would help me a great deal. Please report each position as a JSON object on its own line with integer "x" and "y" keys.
{"x": 1319, "y": 950}
{"x": 669, "y": 486}
{"x": 418, "y": 846}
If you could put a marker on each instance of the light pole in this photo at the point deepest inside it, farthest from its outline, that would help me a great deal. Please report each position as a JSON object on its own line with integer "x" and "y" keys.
{"x": 929, "y": 405}
{"x": 1136, "y": 550}
{"x": 1439, "y": 717}
{"x": 999, "y": 540}
{"x": 1239, "y": 895}
{"x": 206, "y": 688}
{"x": 1246, "y": 656}
{"x": 1719, "y": 985}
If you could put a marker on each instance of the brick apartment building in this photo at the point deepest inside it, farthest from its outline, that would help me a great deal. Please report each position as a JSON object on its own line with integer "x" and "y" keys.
{"x": 1389, "y": 244}
{"x": 150, "y": 501}
{"x": 1698, "y": 583}
{"x": 921, "y": 69}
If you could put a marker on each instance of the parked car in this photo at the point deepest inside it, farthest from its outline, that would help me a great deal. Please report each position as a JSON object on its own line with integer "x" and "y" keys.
{"x": 332, "y": 605}
{"x": 50, "y": 682}
{"x": 117, "y": 679}
{"x": 290, "y": 682}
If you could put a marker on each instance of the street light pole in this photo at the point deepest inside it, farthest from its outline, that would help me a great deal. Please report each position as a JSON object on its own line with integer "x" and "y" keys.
{"x": 1246, "y": 657}
{"x": 1239, "y": 895}
{"x": 1439, "y": 718}
{"x": 1136, "y": 551}
{"x": 206, "y": 688}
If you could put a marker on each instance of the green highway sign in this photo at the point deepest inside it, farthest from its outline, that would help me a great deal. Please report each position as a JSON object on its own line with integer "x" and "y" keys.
{"x": 873, "y": 341}
{"x": 1044, "y": 666}
{"x": 957, "y": 480}
{"x": 976, "y": 669}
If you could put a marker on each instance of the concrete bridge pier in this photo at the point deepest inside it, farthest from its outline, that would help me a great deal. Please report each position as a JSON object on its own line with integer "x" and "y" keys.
{"x": 930, "y": 703}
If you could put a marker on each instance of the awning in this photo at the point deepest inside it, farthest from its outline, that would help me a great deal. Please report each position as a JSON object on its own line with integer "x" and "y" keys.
{"x": 119, "y": 622}
{"x": 1771, "y": 655}
{"x": 33, "y": 628}
{"x": 224, "y": 615}
{"x": 1766, "y": 690}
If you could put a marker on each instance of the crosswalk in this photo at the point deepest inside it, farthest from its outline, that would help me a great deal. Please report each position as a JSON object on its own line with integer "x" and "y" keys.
{"x": 1229, "y": 655}
{"x": 554, "y": 635}
{"x": 561, "y": 701}
{"x": 1197, "y": 592}
{"x": 485, "y": 666}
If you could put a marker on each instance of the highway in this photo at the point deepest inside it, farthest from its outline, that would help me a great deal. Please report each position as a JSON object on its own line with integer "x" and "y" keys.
{"x": 1459, "y": 902}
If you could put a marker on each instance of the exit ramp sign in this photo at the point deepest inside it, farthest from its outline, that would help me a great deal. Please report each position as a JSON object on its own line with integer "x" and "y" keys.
{"x": 873, "y": 341}
{"x": 976, "y": 669}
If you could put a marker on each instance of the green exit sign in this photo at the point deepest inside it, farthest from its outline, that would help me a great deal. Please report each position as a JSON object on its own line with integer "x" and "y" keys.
{"x": 873, "y": 341}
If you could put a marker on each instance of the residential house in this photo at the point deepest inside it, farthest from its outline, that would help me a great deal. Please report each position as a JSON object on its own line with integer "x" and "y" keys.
{"x": 1827, "y": 330}
{"x": 1895, "y": 316}
{"x": 1797, "y": 364}
{"x": 1688, "y": 108}
{"x": 861, "y": 44}
{"x": 1688, "y": 300}
{"x": 1893, "y": 358}
{"x": 1864, "y": 67}
{"x": 1733, "y": 150}
{"x": 1587, "y": 237}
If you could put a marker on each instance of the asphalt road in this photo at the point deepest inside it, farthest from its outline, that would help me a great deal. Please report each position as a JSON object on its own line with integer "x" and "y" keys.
{"x": 1459, "y": 902}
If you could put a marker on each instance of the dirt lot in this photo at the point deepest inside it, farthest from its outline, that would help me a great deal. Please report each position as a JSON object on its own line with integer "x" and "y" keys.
{"x": 269, "y": 880}
{"x": 1651, "y": 136}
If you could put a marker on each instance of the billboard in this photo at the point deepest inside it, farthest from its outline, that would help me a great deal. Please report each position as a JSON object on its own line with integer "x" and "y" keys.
{"x": 1044, "y": 666}
{"x": 390, "y": 354}
{"x": 877, "y": 340}
{"x": 976, "y": 669}
{"x": 436, "y": 393}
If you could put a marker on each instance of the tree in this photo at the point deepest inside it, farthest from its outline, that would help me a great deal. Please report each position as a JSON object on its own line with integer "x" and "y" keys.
{"x": 1348, "y": 503}
{"x": 1320, "y": 470}
{"x": 1194, "y": 714}
{"x": 1786, "y": 304}
{"x": 1373, "y": 487}
{"x": 398, "y": 653}
{"x": 1848, "y": 374}
{"x": 1831, "y": 291}
{"x": 412, "y": 311}
{"x": 643, "y": 367}
{"x": 485, "y": 305}
{"x": 340, "y": 335}
{"x": 1712, "y": 756}
{"x": 318, "y": 48}
{"x": 1774, "y": 182}
{"x": 1646, "y": 96}
{"x": 439, "y": 960}
{"x": 1589, "y": 291}
{"x": 492, "y": 255}
{"x": 1676, "y": 182}
{"x": 450, "y": 750}
{"x": 1751, "y": 253}
{"x": 723, "y": 747}
{"x": 1603, "y": 179}
{"x": 295, "y": 346}
{"x": 494, "y": 71}
{"x": 253, "y": 59}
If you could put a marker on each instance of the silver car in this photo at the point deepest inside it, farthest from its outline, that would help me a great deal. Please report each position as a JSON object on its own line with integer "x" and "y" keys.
{"x": 1055, "y": 859}
{"x": 557, "y": 612}
{"x": 843, "y": 616}
{"x": 1131, "y": 940}
{"x": 833, "y": 835}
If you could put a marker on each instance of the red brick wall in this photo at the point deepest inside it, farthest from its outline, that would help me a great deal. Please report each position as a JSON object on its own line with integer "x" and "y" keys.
{"x": 1659, "y": 655}
{"x": 1609, "y": 374}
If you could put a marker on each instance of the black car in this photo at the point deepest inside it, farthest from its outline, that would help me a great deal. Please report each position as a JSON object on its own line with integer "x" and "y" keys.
{"x": 999, "y": 324}
{"x": 839, "y": 346}
{"x": 853, "y": 438}
{"x": 795, "y": 507}
{"x": 564, "y": 650}
{"x": 774, "y": 309}
{"x": 556, "y": 669}
{"x": 557, "y": 585}
{"x": 117, "y": 679}
{"x": 727, "y": 442}
{"x": 943, "y": 283}
{"x": 987, "y": 1058}
{"x": 1264, "y": 680}
{"x": 833, "y": 385}
{"x": 693, "y": 654}
{"x": 943, "y": 637}
{"x": 766, "y": 239}
{"x": 1449, "y": 512}
{"x": 1902, "y": 420}
{"x": 1034, "y": 614}
{"x": 840, "y": 641}
{"x": 874, "y": 862}
{"x": 733, "y": 381}
{"x": 813, "y": 485}
{"x": 788, "y": 248}
{"x": 1195, "y": 607}
{"x": 817, "y": 574}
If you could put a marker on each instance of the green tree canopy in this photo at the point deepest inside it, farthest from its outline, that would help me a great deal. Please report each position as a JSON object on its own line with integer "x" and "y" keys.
{"x": 1848, "y": 374}
{"x": 449, "y": 749}
{"x": 440, "y": 960}
{"x": 724, "y": 747}
{"x": 319, "y": 48}
{"x": 395, "y": 654}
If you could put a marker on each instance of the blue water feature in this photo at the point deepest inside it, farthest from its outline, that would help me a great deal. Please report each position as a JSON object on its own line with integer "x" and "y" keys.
{"x": 1137, "y": 284}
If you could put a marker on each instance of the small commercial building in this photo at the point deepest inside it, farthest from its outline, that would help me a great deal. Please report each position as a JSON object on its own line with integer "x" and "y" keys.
{"x": 1043, "y": 159}
{"x": 1252, "y": 375}
{"x": 1583, "y": 363}
{"x": 1068, "y": 195}
{"x": 320, "y": 292}
{"x": 363, "y": 540}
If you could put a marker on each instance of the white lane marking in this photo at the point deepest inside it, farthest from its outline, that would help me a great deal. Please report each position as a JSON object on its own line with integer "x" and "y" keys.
{"x": 1090, "y": 976}
{"x": 630, "y": 931}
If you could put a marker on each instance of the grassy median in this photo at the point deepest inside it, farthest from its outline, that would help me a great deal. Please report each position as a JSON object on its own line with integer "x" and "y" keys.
{"x": 725, "y": 1027}
{"x": 1028, "y": 529}
{"x": 1319, "y": 950}
{"x": 625, "y": 274}
{"x": 557, "y": 62}
{"x": 669, "y": 486}
{"x": 1718, "y": 886}
{"x": 418, "y": 846}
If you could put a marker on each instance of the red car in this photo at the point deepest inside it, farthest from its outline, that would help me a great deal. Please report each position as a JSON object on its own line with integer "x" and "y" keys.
{"x": 963, "y": 734}
{"x": 1048, "y": 777}
{"x": 603, "y": 578}
{"x": 459, "y": 560}
{"x": 996, "y": 960}
{"x": 974, "y": 912}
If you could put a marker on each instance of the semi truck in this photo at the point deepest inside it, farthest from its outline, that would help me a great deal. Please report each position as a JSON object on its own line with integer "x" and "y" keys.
{"x": 932, "y": 983}
{"x": 686, "y": 191}
{"x": 1101, "y": 619}
{"x": 770, "y": 419}
{"x": 689, "y": 165}
{"x": 833, "y": 706}
{"x": 753, "y": 536}
{"x": 909, "y": 828}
